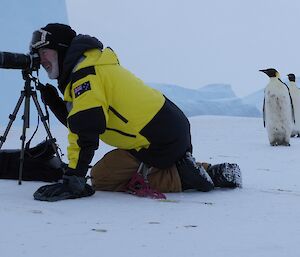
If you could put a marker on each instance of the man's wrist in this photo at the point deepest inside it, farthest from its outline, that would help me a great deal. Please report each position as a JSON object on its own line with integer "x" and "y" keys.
{"x": 80, "y": 172}
{"x": 75, "y": 183}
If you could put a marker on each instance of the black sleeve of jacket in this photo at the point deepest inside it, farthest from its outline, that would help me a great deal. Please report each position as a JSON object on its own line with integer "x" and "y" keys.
{"x": 87, "y": 124}
{"x": 59, "y": 109}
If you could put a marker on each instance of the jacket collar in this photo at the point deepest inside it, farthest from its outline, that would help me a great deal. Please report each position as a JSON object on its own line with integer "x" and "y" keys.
{"x": 79, "y": 45}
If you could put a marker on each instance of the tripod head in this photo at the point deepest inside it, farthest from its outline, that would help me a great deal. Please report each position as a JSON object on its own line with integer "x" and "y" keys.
{"x": 28, "y": 77}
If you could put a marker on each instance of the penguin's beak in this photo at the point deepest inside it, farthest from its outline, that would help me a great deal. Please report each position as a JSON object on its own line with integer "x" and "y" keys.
{"x": 264, "y": 71}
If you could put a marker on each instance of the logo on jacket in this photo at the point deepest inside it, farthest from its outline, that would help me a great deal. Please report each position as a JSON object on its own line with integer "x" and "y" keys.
{"x": 79, "y": 90}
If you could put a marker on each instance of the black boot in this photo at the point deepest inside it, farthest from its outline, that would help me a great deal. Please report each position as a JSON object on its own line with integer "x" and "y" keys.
{"x": 226, "y": 175}
{"x": 192, "y": 175}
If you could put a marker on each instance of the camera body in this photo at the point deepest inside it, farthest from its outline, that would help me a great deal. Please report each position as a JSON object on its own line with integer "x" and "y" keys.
{"x": 28, "y": 62}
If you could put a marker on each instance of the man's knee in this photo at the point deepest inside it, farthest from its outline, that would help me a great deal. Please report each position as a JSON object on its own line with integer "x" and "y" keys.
{"x": 113, "y": 171}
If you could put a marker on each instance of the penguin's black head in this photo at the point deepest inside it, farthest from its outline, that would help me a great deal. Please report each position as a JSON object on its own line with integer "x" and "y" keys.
{"x": 272, "y": 73}
{"x": 291, "y": 77}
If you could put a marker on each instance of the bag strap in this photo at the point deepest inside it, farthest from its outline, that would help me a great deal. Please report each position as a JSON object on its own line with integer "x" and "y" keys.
{"x": 45, "y": 147}
{"x": 139, "y": 184}
{"x": 27, "y": 145}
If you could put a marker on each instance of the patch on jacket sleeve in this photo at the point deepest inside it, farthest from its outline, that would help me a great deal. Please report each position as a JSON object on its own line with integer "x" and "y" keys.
{"x": 79, "y": 90}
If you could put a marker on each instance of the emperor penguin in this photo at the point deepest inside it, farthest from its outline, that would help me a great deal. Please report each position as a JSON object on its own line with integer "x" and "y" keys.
{"x": 295, "y": 94}
{"x": 277, "y": 109}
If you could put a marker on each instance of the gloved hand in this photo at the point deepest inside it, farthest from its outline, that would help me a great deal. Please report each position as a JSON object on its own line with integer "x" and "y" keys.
{"x": 49, "y": 94}
{"x": 50, "y": 97}
{"x": 70, "y": 188}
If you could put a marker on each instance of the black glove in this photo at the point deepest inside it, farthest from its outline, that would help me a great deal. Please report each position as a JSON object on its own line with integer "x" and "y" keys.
{"x": 49, "y": 94}
{"x": 50, "y": 97}
{"x": 71, "y": 187}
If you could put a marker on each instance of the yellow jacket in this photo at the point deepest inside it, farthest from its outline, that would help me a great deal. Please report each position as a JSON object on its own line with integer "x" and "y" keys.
{"x": 109, "y": 102}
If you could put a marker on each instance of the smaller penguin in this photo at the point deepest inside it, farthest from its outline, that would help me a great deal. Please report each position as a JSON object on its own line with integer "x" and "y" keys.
{"x": 295, "y": 94}
{"x": 277, "y": 109}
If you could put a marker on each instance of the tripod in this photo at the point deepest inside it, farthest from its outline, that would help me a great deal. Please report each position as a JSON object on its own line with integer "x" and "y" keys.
{"x": 26, "y": 93}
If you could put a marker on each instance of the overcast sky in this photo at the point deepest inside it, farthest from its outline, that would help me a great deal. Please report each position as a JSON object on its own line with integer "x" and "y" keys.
{"x": 194, "y": 42}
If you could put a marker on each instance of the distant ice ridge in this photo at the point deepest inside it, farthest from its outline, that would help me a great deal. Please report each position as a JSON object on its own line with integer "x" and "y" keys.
{"x": 255, "y": 99}
{"x": 213, "y": 99}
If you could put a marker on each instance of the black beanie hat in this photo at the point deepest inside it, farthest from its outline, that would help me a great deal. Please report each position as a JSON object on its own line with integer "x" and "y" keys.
{"x": 54, "y": 36}
{"x": 60, "y": 37}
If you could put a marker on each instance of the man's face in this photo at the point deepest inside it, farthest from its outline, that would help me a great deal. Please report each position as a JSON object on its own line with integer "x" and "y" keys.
{"x": 49, "y": 61}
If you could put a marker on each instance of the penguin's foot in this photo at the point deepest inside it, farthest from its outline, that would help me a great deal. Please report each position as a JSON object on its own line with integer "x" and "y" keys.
{"x": 279, "y": 143}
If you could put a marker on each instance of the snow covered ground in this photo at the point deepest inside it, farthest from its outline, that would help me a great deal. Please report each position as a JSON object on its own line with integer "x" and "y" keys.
{"x": 261, "y": 219}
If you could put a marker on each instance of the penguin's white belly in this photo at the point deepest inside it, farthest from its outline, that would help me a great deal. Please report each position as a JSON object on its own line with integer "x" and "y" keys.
{"x": 295, "y": 93}
{"x": 278, "y": 116}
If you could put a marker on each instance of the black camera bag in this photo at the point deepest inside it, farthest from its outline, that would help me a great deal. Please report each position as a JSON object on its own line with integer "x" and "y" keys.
{"x": 40, "y": 163}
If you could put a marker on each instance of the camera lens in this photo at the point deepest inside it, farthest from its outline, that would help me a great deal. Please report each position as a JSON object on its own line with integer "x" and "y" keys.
{"x": 18, "y": 61}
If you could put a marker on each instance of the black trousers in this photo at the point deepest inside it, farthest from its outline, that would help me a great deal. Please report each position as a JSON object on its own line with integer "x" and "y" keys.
{"x": 169, "y": 136}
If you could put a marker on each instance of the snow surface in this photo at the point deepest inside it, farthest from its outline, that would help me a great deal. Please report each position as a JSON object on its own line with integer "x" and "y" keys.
{"x": 261, "y": 219}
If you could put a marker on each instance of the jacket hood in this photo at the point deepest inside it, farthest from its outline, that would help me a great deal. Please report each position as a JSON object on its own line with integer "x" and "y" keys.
{"x": 79, "y": 45}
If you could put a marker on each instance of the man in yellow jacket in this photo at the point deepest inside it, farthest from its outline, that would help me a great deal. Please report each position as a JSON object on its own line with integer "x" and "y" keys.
{"x": 104, "y": 100}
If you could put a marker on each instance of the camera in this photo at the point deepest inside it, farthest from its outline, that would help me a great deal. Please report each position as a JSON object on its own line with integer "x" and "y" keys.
{"x": 28, "y": 62}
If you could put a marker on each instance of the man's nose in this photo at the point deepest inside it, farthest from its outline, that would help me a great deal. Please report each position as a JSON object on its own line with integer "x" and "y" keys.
{"x": 42, "y": 60}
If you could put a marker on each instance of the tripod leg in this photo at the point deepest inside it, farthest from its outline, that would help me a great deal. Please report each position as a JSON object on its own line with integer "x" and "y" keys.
{"x": 12, "y": 117}
{"x": 23, "y": 137}
{"x": 27, "y": 110}
{"x": 44, "y": 119}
